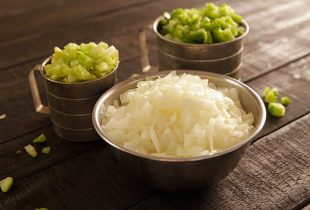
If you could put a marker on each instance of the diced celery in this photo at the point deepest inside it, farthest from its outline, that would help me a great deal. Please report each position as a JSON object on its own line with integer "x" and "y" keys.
{"x": 227, "y": 35}
{"x": 39, "y": 139}
{"x": 223, "y": 35}
{"x": 183, "y": 24}
{"x": 225, "y": 10}
{"x": 240, "y": 30}
{"x": 271, "y": 97}
{"x": 276, "y": 109}
{"x": 230, "y": 21}
{"x": 285, "y": 100}
{"x": 6, "y": 184}
{"x": 77, "y": 63}
{"x": 196, "y": 36}
{"x": 177, "y": 12}
{"x": 208, "y": 38}
{"x": 31, "y": 150}
{"x": 220, "y": 23}
{"x": 234, "y": 31}
{"x": 275, "y": 91}
{"x": 236, "y": 18}
{"x": 46, "y": 150}
{"x": 266, "y": 91}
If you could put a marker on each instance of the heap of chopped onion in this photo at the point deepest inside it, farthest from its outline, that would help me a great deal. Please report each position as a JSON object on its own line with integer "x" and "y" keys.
{"x": 177, "y": 116}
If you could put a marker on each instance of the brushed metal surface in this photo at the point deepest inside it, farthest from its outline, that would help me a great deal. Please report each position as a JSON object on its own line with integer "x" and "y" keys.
{"x": 221, "y": 66}
{"x": 70, "y": 105}
{"x": 75, "y": 135}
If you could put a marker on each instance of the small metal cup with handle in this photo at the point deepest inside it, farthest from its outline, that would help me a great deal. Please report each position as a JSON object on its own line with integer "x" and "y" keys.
{"x": 222, "y": 58}
{"x": 70, "y": 105}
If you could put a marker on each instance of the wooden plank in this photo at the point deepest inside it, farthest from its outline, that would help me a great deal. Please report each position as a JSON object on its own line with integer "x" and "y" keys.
{"x": 273, "y": 174}
{"x": 294, "y": 78}
{"x": 60, "y": 12}
{"x": 296, "y": 46}
{"x": 25, "y": 22}
{"x": 21, "y": 165}
{"x": 294, "y": 81}
{"x": 17, "y": 104}
{"x": 90, "y": 181}
{"x": 21, "y": 7}
{"x": 96, "y": 28}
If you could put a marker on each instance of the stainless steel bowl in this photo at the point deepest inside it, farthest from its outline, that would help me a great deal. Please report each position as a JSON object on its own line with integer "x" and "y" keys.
{"x": 183, "y": 173}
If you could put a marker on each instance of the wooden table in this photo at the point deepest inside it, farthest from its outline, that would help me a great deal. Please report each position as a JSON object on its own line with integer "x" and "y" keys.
{"x": 273, "y": 174}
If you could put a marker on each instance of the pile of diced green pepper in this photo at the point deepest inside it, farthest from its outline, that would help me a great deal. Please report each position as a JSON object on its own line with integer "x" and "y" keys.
{"x": 206, "y": 25}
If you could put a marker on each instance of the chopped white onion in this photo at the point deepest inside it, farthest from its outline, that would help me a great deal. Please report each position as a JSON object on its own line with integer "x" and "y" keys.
{"x": 177, "y": 116}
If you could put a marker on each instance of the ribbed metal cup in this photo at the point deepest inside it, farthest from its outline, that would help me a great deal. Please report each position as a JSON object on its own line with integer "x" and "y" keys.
{"x": 222, "y": 58}
{"x": 70, "y": 105}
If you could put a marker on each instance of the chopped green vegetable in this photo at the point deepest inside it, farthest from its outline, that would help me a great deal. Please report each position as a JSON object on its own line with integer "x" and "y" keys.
{"x": 266, "y": 91}
{"x": 31, "y": 150}
{"x": 286, "y": 100}
{"x": 40, "y": 209}
{"x": 3, "y": 116}
{"x": 40, "y": 139}
{"x": 6, "y": 184}
{"x": 276, "y": 109}
{"x": 206, "y": 25}
{"x": 271, "y": 97}
{"x": 46, "y": 150}
{"x": 84, "y": 62}
{"x": 275, "y": 91}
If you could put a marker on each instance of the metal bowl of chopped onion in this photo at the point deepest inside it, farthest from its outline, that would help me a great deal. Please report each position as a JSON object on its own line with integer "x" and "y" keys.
{"x": 180, "y": 171}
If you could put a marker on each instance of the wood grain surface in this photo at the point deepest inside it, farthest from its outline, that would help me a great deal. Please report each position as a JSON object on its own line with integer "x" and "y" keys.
{"x": 274, "y": 173}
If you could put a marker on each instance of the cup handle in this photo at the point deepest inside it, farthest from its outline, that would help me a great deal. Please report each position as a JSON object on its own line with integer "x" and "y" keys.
{"x": 35, "y": 92}
{"x": 144, "y": 59}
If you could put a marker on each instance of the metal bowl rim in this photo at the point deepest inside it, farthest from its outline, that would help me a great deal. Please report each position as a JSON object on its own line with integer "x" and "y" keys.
{"x": 260, "y": 121}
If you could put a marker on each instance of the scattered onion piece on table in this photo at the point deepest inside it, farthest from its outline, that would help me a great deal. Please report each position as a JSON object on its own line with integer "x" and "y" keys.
{"x": 3, "y": 116}
{"x": 31, "y": 150}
